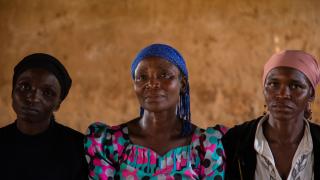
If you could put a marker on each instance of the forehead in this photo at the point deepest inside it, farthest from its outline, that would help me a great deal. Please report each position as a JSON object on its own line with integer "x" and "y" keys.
{"x": 156, "y": 63}
{"x": 287, "y": 73}
{"x": 40, "y": 76}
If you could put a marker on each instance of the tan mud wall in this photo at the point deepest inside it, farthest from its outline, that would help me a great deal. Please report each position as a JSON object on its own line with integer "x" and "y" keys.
{"x": 225, "y": 44}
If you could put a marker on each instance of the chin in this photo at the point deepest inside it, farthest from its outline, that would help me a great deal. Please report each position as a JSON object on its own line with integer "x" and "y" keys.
{"x": 29, "y": 118}
{"x": 283, "y": 116}
{"x": 154, "y": 109}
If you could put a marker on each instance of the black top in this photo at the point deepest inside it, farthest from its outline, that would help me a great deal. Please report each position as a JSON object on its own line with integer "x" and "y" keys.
{"x": 238, "y": 144}
{"x": 56, "y": 154}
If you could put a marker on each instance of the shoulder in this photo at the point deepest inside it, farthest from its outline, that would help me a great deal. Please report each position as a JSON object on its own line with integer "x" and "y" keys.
{"x": 68, "y": 138}
{"x": 209, "y": 138}
{"x": 7, "y": 131}
{"x": 314, "y": 125}
{"x": 239, "y": 137}
{"x": 105, "y": 139}
{"x": 68, "y": 132}
{"x": 99, "y": 130}
{"x": 215, "y": 132}
{"x": 242, "y": 129}
{"x": 7, "y": 128}
{"x": 315, "y": 130}
{"x": 100, "y": 133}
{"x": 211, "y": 152}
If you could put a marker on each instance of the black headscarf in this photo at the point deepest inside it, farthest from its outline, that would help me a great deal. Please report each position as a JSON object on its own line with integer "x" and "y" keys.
{"x": 46, "y": 62}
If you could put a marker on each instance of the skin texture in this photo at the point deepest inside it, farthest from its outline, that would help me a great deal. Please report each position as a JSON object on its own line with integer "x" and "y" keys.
{"x": 287, "y": 93}
{"x": 36, "y": 95}
{"x": 157, "y": 85}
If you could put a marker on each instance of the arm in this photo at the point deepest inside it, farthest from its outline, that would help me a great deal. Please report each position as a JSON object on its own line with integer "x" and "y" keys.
{"x": 213, "y": 162}
{"x": 98, "y": 149}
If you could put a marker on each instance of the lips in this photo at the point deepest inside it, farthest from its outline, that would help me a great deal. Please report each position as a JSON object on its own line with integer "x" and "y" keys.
{"x": 153, "y": 97}
{"x": 29, "y": 110}
{"x": 281, "y": 106}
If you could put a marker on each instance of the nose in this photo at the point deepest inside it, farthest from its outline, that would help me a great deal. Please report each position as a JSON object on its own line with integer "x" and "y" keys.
{"x": 153, "y": 82}
{"x": 33, "y": 96}
{"x": 284, "y": 92}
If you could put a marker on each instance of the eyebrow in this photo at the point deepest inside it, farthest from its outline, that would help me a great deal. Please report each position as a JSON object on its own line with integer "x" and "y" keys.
{"x": 23, "y": 79}
{"x": 291, "y": 80}
{"x": 299, "y": 82}
{"x": 44, "y": 85}
{"x": 50, "y": 86}
{"x": 272, "y": 79}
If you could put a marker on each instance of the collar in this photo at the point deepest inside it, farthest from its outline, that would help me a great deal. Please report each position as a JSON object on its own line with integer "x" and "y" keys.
{"x": 261, "y": 145}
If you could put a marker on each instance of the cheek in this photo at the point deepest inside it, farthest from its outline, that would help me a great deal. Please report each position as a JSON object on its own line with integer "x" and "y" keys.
{"x": 55, "y": 106}
{"x": 303, "y": 97}
{"x": 172, "y": 85}
{"x": 267, "y": 100}
{"x": 174, "y": 88}
{"x": 49, "y": 108}
{"x": 268, "y": 96}
{"x": 16, "y": 98}
{"x": 137, "y": 89}
{"x": 139, "y": 92}
{"x": 16, "y": 102}
{"x": 50, "y": 102}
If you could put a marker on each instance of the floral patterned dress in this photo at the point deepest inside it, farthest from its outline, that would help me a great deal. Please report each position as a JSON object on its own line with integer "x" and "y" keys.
{"x": 111, "y": 155}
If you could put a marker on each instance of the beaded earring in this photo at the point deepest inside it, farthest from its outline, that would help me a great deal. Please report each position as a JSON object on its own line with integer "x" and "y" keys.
{"x": 265, "y": 110}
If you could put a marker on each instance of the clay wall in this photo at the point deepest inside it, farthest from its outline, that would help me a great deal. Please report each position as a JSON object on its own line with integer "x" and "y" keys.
{"x": 225, "y": 44}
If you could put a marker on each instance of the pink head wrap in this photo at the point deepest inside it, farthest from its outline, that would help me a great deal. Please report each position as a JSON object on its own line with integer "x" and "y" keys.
{"x": 296, "y": 59}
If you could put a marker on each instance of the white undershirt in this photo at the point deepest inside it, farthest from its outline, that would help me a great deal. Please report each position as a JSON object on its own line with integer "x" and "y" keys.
{"x": 302, "y": 163}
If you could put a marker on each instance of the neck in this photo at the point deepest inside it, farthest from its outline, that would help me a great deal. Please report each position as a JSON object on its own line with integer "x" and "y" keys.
{"x": 166, "y": 123}
{"x": 284, "y": 131}
{"x": 32, "y": 128}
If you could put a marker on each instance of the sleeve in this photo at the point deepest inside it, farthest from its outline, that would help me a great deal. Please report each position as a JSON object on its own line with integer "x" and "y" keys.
{"x": 228, "y": 144}
{"x": 230, "y": 141}
{"x": 82, "y": 174}
{"x": 98, "y": 146}
{"x": 213, "y": 160}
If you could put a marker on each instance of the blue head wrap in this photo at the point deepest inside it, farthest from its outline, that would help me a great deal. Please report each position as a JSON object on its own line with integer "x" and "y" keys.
{"x": 173, "y": 56}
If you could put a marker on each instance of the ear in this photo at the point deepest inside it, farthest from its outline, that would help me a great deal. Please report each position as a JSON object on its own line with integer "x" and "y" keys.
{"x": 312, "y": 95}
{"x": 264, "y": 92}
{"x": 183, "y": 83}
{"x": 56, "y": 108}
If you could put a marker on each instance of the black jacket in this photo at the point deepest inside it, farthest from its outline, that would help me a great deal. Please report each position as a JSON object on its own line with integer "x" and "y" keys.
{"x": 238, "y": 144}
{"x": 56, "y": 154}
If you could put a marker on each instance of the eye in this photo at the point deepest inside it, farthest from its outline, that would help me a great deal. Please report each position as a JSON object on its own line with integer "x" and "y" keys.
{"x": 24, "y": 87}
{"x": 296, "y": 86}
{"x": 48, "y": 93}
{"x": 141, "y": 77}
{"x": 272, "y": 84}
{"x": 293, "y": 86}
{"x": 166, "y": 76}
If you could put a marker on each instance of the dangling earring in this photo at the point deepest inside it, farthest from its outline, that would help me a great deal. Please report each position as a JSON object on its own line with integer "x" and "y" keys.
{"x": 265, "y": 110}
{"x": 308, "y": 112}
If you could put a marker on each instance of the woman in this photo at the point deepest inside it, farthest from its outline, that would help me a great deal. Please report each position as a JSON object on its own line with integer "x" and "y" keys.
{"x": 161, "y": 143}
{"x": 283, "y": 144}
{"x": 35, "y": 146}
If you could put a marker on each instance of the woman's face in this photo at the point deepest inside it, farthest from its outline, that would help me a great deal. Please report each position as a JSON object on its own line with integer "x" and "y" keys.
{"x": 36, "y": 95}
{"x": 157, "y": 84}
{"x": 287, "y": 93}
